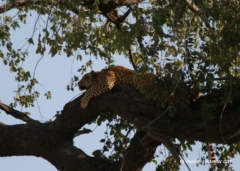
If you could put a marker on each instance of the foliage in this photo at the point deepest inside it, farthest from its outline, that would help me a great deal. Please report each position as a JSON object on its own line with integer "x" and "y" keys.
{"x": 172, "y": 38}
{"x": 116, "y": 138}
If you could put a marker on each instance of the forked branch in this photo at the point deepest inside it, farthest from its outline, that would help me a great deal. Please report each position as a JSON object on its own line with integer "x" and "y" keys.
{"x": 18, "y": 115}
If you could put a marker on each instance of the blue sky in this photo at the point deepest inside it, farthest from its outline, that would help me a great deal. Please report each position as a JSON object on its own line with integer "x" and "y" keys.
{"x": 54, "y": 74}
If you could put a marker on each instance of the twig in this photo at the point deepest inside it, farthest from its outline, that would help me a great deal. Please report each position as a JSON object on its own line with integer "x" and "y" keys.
{"x": 130, "y": 129}
{"x": 225, "y": 104}
{"x": 184, "y": 161}
{"x": 131, "y": 57}
{"x": 84, "y": 131}
{"x": 18, "y": 115}
{"x": 167, "y": 142}
{"x": 115, "y": 18}
{"x": 237, "y": 133}
{"x": 154, "y": 120}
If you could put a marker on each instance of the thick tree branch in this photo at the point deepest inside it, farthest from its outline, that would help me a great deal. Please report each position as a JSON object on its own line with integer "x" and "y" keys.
{"x": 53, "y": 140}
{"x": 186, "y": 123}
{"x": 58, "y": 148}
{"x": 19, "y": 140}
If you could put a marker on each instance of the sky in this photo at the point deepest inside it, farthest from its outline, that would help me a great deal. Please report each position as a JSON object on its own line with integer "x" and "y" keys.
{"x": 54, "y": 74}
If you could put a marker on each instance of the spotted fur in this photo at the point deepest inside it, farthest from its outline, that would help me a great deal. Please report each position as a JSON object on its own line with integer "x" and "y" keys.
{"x": 97, "y": 83}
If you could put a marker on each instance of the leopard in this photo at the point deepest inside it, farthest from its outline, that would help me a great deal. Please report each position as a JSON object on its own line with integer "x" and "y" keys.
{"x": 148, "y": 84}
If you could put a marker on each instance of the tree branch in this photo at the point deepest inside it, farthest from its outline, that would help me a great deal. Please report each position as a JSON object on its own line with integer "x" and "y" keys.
{"x": 18, "y": 115}
{"x": 59, "y": 149}
{"x": 156, "y": 135}
{"x": 53, "y": 141}
{"x": 194, "y": 8}
{"x": 105, "y": 7}
{"x": 109, "y": 10}
{"x": 115, "y": 18}
{"x": 131, "y": 58}
{"x": 186, "y": 123}
{"x": 19, "y": 140}
{"x": 84, "y": 131}
{"x": 15, "y": 4}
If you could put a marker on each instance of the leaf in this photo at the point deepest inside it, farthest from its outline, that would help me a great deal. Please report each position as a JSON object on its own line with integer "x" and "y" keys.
{"x": 9, "y": 47}
{"x": 106, "y": 1}
{"x": 99, "y": 121}
{"x": 155, "y": 162}
{"x": 31, "y": 41}
{"x": 59, "y": 39}
{"x": 79, "y": 57}
{"x": 53, "y": 51}
{"x": 102, "y": 140}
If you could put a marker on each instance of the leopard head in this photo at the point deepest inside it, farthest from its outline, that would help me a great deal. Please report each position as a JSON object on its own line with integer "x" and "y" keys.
{"x": 88, "y": 80}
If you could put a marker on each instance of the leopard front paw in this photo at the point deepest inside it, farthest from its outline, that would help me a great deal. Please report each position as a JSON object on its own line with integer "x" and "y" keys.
{"x": 83, "y": 103}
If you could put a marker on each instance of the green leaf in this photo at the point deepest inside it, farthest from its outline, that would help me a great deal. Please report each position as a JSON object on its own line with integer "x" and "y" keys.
{"x": 102, "y": 140}
{"x": 99, "y": 121}
{"x": 53, "y": 51}
{"x": 31, "y": 41}
{"x": 155, "y": 162}
{"x": 59, "y": 39}
{"x": 106, "y": 1}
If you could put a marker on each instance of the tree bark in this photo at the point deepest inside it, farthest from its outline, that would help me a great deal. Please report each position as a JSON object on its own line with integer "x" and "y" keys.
{"x": 53, "y": 141}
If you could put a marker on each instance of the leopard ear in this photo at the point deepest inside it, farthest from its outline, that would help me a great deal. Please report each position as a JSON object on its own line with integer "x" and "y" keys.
{"x": 93, "y": 74}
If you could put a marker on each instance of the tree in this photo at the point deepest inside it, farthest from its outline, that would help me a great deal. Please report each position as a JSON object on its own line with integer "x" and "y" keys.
{"x": 192, "y": 45}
